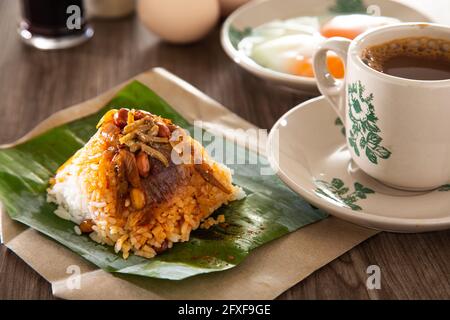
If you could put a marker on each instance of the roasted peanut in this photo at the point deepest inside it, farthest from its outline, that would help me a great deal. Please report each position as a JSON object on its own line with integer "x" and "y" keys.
{"x": 86, "y": 226}
{"x": 121, "y": 118}
{"x": 143, "y": 164}
{"x": 163, "y": 130}
{"x": 137, "y": 197}
{"x": 172, "y": 127}
{"x": 138, "y": 115}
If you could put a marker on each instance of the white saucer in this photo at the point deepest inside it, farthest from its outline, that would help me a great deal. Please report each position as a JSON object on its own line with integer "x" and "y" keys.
{"x": 313, "y": 160}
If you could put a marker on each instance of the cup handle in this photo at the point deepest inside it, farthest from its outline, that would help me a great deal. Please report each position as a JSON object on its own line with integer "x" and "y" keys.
{"x": 333, "y": 89}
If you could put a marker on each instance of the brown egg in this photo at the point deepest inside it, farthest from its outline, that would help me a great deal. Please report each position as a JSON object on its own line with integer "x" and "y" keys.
{"x": 228, "y": 6}
{"x": 179, "y": 21}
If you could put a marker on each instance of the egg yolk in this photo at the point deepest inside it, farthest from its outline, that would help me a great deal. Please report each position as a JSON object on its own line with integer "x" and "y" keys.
{"x": 340, "y": 32}
{"x": 350, "y": 26}
{"x": 303, "y": 67}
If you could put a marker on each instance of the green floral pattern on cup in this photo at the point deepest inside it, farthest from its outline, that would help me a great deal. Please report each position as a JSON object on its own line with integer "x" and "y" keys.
{"x": 364, "y": 134}
{"x": 337, "y": 191}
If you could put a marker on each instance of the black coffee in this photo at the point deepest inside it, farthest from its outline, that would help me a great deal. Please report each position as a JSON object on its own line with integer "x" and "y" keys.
{"x": 49, "y": 17}
{"x": 418, "y": 58}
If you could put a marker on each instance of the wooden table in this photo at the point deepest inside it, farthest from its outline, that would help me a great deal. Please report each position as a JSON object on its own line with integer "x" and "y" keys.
{"x": 35, "y": 84}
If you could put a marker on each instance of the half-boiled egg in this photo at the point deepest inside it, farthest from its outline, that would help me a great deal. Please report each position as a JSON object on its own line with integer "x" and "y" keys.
{"x": 350, "y": 26}
{"x": 293, "y": 54}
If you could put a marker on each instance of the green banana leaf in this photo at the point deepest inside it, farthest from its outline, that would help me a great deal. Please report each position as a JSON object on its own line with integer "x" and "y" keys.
{"x": 269, "y": 211}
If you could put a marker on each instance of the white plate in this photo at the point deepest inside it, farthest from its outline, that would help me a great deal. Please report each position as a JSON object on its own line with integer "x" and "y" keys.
{"x": 256, "y": 13}
{"x": 307, "y": 148}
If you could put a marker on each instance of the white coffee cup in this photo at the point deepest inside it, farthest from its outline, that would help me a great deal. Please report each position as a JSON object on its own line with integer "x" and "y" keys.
{"x": 397, "y": 129}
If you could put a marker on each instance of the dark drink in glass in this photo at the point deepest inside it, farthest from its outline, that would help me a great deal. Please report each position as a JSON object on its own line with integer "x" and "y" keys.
{"x": 54, "y": 24}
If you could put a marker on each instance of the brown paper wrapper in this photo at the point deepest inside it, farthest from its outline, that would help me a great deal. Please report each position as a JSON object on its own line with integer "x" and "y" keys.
{"x": 266, "y": 273}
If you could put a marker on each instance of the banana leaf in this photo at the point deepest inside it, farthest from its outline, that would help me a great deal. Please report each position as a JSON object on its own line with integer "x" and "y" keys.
{"x": 269, "y": 211}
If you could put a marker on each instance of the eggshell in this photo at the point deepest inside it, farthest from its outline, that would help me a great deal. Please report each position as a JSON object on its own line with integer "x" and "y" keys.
{"x": 228, "y": 6}
{"x": 179, "y": 21}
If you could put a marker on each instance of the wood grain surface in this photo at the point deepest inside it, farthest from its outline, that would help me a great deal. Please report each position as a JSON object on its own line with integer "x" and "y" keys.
{"x": 35, "y": 84}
